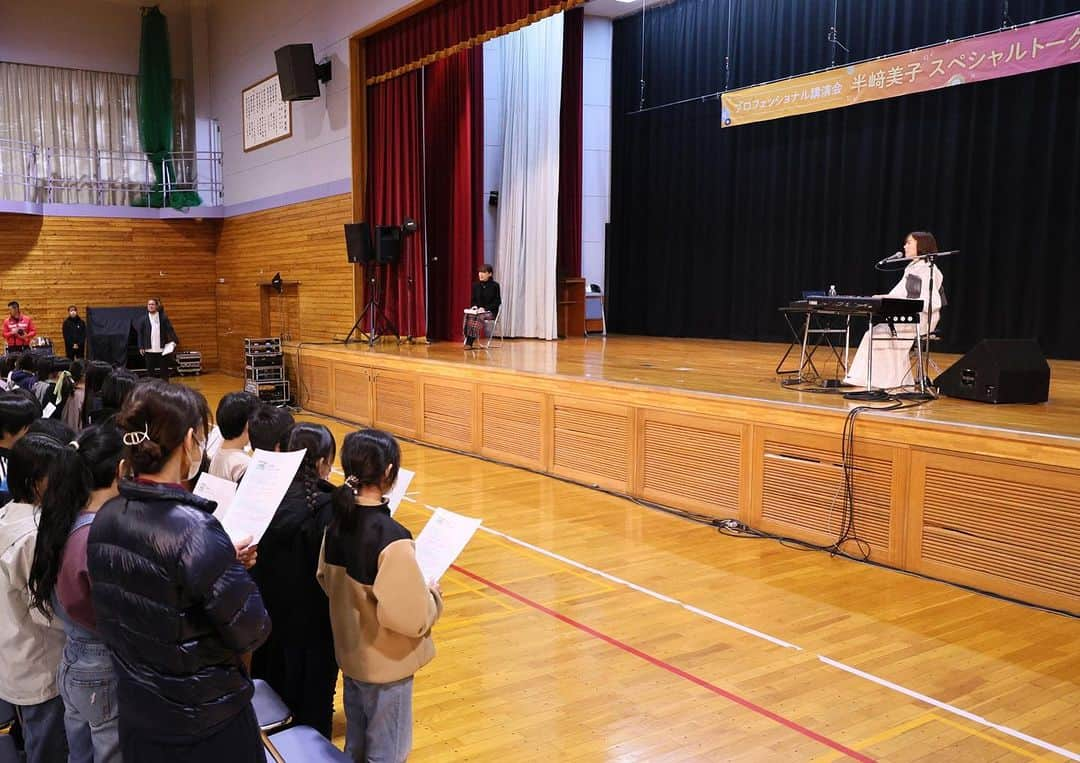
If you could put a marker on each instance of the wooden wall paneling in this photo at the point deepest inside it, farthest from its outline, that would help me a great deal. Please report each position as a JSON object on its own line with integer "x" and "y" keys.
{"x": 448, "y": 412}
{"x": 352, "y": 392}
{"x": 305, "y": 242}
{"x": 591, "y": 442}
{"x": 279, "y": 313}
{"x": 1007, "y": 528}
{"x": 690, "y": 462}
{"x": 802, "y": 493}
{"x": 396, "y": 403}
{"x": 50, "y": 262}
{"x": 315, "y": 383}
{"x": 513, "y": 425}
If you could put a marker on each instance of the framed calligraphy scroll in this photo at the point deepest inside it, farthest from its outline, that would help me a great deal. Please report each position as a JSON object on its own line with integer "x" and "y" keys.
{"x": 267, "y": 118}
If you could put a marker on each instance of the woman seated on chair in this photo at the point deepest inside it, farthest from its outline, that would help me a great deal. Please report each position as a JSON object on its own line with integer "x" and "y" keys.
{"x": 486, "y": 300}
{"x": 892, "y": 363}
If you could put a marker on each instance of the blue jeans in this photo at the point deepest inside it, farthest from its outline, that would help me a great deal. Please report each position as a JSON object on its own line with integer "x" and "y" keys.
{"x": 87, "y": 683}
{"x": 378, "y": 720}
{"x": 43, "y": 731}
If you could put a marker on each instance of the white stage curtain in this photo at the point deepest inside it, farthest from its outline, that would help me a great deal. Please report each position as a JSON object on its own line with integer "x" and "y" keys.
{"x": 76, "y": 132}
{"x": 529, "y": 194}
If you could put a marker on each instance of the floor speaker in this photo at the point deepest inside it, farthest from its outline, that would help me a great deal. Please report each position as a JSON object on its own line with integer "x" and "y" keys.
{"x": 999, "y": 371}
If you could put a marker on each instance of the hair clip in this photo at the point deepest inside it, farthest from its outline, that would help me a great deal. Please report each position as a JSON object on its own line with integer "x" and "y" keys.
{"x": 74, "y": 444}
{"x": 134, "y": 439}
{"x": 353, "y": 483}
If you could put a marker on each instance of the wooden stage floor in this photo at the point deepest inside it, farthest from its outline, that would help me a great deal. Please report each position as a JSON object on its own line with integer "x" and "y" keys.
{"x": 741, "y": 370}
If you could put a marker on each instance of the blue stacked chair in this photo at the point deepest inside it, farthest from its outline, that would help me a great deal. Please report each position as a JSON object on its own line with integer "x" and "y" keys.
{"x": 298, "y": 744}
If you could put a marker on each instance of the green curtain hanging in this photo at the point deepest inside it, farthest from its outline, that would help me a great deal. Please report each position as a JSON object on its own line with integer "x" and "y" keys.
{"x": 156, "y": 114}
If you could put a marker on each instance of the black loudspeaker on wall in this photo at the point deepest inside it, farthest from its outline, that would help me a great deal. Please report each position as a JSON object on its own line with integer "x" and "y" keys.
{"x": 387, "y": 244}
{"x": 298, "y": 73}
{"x": 999, "y": 371}
{"x": 358, "y": 242}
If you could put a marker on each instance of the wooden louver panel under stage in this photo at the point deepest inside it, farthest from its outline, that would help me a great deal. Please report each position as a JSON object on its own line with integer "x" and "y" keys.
{"x": 592, "y": 444}
{"x": 395, "y": 403}
{"x": 314, "y": 378}
{"x": 448, "y": 414}
{"x": 803, "y": 490}
{"x": 352, "y": 394}
{"x": 1007, "y": 529}
{"x": 692, "y": 467}
{"x": 512, "y": 428}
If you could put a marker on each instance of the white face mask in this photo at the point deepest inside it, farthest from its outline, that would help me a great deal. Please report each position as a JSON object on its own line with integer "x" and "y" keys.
{"x": 196, "y": 463}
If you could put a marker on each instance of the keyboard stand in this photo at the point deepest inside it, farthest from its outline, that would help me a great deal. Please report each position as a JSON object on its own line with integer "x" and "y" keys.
{"x": 801, "y": 337}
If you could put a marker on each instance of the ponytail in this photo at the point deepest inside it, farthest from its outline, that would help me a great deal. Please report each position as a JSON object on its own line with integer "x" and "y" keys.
{"x": 75, "y": 470}
{"x": 66, "y": 494}
{"x": 343, "y": 502}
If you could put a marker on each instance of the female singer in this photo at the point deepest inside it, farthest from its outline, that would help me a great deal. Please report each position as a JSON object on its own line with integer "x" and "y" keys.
{"x": 892, "y": 362}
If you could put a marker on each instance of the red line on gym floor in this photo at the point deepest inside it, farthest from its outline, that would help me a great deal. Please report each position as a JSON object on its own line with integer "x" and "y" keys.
{"x": 656, "y": 661}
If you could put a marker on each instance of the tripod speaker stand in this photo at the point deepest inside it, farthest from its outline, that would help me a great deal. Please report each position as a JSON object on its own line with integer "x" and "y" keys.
{"x": 359, "y": 245}
{"x": 378, "y": 322}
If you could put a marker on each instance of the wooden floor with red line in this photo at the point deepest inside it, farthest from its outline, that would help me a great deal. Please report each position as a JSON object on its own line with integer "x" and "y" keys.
{"x": 580, "y": 626}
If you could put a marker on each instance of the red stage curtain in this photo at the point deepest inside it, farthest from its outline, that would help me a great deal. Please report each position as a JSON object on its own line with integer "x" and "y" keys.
{"x": 568, "y": 259}
{"x": 448, "y": 27}
{"x": 454, "y": 150}
{"x": 395, "y": 192}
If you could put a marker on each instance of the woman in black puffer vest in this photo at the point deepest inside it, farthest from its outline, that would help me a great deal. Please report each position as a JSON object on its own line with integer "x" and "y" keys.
{"x": 174, "y": 605}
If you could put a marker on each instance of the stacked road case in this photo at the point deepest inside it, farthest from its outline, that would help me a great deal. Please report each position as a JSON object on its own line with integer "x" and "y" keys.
{"x": 264, "y": 370}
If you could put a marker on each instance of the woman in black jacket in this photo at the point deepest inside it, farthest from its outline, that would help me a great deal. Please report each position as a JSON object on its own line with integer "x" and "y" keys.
{"x": 486, "y": 301}
{"x": 298, "y": 659}
{"x": 174, "y": 605}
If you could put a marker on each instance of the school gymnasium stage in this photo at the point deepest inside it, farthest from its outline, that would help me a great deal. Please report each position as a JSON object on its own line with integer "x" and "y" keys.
{"x": 971, "y": 493}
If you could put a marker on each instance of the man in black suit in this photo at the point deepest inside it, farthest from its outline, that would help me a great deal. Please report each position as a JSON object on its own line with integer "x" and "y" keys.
{"x": 155, "y": 332}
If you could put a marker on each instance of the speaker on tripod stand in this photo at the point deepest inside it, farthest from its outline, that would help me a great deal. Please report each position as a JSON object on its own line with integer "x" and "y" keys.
{"x": 384, "y": 250}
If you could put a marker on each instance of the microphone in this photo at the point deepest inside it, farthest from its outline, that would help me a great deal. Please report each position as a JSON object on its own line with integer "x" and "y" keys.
{"x": 891, "y": 258}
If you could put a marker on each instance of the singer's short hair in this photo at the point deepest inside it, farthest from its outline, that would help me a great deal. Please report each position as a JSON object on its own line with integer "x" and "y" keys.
{"x": 485, "y": 268}
{"x": 13, "y": 303}
{"x": 925, "y": 242}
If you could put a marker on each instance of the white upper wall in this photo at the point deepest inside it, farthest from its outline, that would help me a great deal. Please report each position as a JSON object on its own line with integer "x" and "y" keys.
{"x": 102, "y": 35}
{"x": 243, "y": 35}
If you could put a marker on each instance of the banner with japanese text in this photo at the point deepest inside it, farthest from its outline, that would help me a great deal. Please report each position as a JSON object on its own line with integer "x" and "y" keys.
{"x": 1042, "y": 45}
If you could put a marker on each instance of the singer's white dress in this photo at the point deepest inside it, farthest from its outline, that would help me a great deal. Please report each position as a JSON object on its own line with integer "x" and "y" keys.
{"x": 892, "y": 356}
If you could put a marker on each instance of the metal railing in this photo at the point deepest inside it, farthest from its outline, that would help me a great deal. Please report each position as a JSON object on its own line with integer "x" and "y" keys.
{"x": 43, "y": 174}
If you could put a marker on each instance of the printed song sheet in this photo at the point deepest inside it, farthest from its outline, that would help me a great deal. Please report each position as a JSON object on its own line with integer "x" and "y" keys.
{"x": 259, "y": 495}
{"x": 442, "y": 540}
{"x": 216, "y": 489}
{"x": 401, "y": 486}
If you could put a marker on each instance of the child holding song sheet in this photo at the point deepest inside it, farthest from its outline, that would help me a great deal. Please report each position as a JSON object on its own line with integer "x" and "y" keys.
{"x": 381, "y": 607}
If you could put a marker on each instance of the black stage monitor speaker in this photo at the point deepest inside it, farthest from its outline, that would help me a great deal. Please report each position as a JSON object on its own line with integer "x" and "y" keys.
{"x": 296, "y": 71}
{"x": 999, "y": 371}
{"x": 358, "y": 243}
{"x": 387, "y": 243}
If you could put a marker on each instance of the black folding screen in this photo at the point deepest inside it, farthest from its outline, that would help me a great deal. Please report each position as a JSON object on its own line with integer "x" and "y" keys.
{"x": 712, "y": 230}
